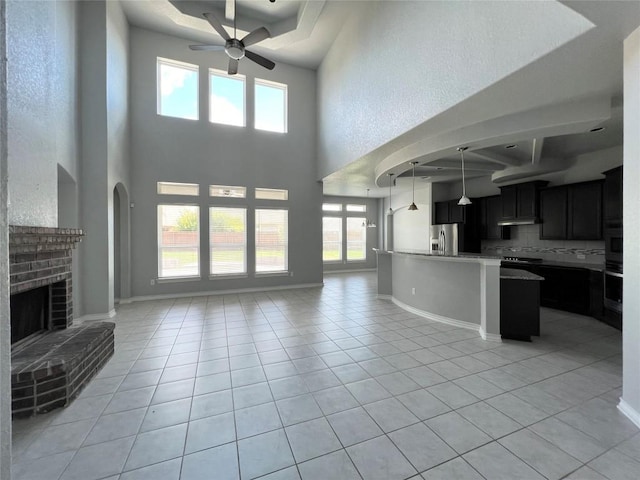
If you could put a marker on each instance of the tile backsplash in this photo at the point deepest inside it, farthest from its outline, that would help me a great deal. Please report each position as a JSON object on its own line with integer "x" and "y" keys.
{"x": 525, "y": 242}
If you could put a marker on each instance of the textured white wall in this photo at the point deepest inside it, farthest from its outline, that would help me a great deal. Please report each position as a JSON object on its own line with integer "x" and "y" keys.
{"x": 631, "y": 222}
{"x": 41, "y": 50}
{"x": 410, "y": 229}
{"x": 170, "y": 149}
{"x": 5, "y": 324}
{"x": 397, "y": 64}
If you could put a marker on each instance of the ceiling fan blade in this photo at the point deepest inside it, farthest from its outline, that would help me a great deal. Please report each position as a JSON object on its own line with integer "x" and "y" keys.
{"x": 207, "y": 47}
{"x": 215, "y": 23}
{"x": 233, "y": 66}
{"x": 256, "y": 36}
{"x": 259, "y": 59}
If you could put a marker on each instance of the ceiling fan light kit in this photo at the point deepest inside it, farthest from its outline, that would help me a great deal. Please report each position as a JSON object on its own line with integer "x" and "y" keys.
{"x": 235, "y": 48}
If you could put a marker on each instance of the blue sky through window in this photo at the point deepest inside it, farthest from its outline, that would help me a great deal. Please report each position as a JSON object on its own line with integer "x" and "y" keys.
{"x": 226, "y": 102}
{"x": 178, "y": 91}
{"x": 270, "y": 108}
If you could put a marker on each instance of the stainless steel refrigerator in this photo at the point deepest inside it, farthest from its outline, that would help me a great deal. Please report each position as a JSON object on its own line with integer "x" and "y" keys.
{"x": 452, "y": 238}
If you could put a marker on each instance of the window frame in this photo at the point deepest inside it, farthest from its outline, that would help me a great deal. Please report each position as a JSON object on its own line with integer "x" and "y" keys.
{"x": 264, "y": 273}
{"x": 210, "y": 245}
{"x": 361, "y": 221}
{"x": 236, "y": 77}
{"x": 285, "y": 107}
{"x": 160, "y": 246}
{"x": 177, "y": 64}
{"x": 272, "y": 190}
{"x": 341, "y": 240}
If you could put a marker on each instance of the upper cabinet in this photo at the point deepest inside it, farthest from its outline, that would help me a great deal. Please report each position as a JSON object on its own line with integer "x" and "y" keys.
{"x": 450, "y": 212}
{"x": 520, "y": 201}
{"x": 613, "y": 197}
{"x": 572, "y": 212}
{"x": 553, "y": 213}
{"x": 585, "y": 211}
{"x": 490, "y": 215}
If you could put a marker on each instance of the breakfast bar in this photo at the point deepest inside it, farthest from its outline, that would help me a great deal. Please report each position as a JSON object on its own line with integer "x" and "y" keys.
{"x": 457, "y": 289}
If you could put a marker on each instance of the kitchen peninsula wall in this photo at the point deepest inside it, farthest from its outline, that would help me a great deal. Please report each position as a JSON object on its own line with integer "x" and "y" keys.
{"x": 525, "y": 242}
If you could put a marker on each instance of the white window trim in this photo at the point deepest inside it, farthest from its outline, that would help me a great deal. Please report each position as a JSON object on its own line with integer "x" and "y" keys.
{"x": 179, "y": 64}
{"x": 273, "y": 273}
{"x": 246, "y": 241}
{"x": 237, "y": 76}
{"x": 281, "y": 86}
{"x": 196, "y": 277}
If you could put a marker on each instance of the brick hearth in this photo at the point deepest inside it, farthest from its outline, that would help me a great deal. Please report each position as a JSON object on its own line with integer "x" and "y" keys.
{"x": 49, "y": 371}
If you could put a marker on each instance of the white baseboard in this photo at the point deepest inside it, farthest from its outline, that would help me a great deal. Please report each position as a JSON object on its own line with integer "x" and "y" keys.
{"x": 351, "y": 270}
{"x": 168, "y": 296}
{"x": 629, "y": 412}
{"x": 436, "y": 317}
{"x": 490, "y": 337}
{"x": 383, "y": 296}
{"x": 96, "y": 316}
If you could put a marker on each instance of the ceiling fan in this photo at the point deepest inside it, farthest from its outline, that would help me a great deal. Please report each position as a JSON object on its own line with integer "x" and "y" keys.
{"x": 234, "y": 48}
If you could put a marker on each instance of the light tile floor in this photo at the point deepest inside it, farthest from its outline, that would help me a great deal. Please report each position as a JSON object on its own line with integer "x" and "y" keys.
{"x": 332, "y": 383}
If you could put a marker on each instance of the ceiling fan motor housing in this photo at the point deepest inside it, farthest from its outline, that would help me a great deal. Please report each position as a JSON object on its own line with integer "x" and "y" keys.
{"x": 234, "y": 48}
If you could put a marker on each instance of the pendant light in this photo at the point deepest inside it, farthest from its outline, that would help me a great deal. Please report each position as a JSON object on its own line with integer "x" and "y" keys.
{"x": 413, "y": 206}
{"x": 464, "y": 200}
{"x": 367, "y": 223}
{"x": 390, "y": 175}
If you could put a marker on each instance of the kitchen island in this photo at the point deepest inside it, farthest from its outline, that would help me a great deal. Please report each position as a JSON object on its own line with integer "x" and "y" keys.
{"x": 458, "y": 289}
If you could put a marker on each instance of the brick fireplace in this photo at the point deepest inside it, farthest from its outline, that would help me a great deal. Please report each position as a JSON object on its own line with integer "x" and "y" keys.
{"x": 50, "y": 362}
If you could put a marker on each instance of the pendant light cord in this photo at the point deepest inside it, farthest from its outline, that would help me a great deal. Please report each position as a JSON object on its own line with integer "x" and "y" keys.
{"x": 413, "y": 185}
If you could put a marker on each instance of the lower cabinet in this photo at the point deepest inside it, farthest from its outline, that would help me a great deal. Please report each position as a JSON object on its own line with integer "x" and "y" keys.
{"x": 519, "y": 308}
{"x": 567, "y": 288}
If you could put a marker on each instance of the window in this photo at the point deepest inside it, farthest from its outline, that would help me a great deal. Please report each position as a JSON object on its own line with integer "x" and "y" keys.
{"x": 227, "y": 191}
{"x": 228, "y": 240}
{"x": 178, "y": 241}
{"x": 170, "y": 188}
{"x": 331, "y": 207}
{"x": 356, "y": 239}
{"x": 272, "y": 240}
{"x": 226, "y": 98}
{"x": 271, "y": 194}
{"x": 356, "y": 208}
{"x": 177, "y": 89}
{"x": 271, "y": 106}
{"x": 332, "y": 239}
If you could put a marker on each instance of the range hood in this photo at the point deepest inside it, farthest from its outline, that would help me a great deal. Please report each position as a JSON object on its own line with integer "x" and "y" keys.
{"x": 518, "y": 221}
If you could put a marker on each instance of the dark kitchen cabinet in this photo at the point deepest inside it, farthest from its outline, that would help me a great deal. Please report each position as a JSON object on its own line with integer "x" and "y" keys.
{"x": 572, "y": 212}
{"x": 585, "y": 211}
{"x": 490, "y": 214}
{"x": 565, "y": 288}
{"x": 613, "y": 197}
{"x": 520, "y": 201}
{"x": 509, "y": 197}
{"x": 450, "y": 212}
{"x": 596, "y": 294}
{"x": 553, "y": 213}
{"x": 441, "y": 213}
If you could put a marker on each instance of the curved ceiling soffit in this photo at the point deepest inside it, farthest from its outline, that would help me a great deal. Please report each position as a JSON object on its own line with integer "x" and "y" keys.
{"x": 532, "y": 126}
{"x": 284, "y": 31}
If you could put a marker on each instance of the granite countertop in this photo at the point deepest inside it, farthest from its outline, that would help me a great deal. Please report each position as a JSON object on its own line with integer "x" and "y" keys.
{"x": 432, "y": 253}
{"x": 515, "y": 274}
{"x": 598, "y": 267}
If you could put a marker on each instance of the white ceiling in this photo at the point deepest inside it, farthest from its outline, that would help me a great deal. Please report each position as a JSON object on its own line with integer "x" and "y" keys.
{"x": 302, "y": 32}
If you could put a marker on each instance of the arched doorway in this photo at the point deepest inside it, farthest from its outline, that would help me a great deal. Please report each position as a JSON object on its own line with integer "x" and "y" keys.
{"x": 121, "y": 244}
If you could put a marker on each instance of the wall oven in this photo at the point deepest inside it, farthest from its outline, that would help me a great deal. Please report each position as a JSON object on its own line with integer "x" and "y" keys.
{"x": 613, "y": 245}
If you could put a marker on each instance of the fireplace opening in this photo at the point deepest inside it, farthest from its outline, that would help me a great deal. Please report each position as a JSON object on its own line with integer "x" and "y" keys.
{"x": 30, "y": 313}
